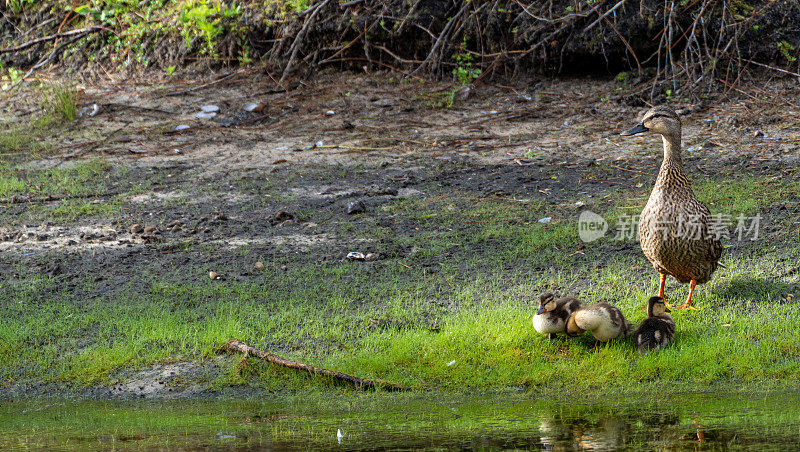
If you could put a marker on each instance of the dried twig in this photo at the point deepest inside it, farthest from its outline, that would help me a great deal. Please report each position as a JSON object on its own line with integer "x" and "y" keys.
{"x": 79, "y": 31}
{"x": 358, "y": 383}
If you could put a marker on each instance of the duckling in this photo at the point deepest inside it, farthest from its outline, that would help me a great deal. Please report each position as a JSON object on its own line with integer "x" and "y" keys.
{"x": 604, "y": 321}
{"x": 553, "y": 313}
{"x": 675, "y": 228}
{"x": 657, "y": 330}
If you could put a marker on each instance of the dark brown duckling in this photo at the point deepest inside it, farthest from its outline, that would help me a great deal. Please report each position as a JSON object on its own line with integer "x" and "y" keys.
{"x": 657, "y": 330}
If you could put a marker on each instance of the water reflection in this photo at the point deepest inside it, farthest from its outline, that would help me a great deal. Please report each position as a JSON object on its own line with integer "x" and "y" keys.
{"x": 350, "y": 421}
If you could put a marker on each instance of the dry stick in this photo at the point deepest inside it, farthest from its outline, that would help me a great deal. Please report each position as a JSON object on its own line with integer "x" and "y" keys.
{"x": 591, "y": 25}
{"x": 774, "y": 68}
{"x": 445, "y": 32}
{"x": 46, "y": 59}
{"x": 359, "y": 383}
{"x": 50, "y": 38}
{"x": 296, "y": 44}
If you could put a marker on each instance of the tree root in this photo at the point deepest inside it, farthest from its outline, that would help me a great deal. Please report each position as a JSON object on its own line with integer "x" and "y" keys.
{"x": 359, "y": 383}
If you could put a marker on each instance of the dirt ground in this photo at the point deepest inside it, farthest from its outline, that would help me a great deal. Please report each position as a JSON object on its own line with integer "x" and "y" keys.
{"x": 275, "y": 184}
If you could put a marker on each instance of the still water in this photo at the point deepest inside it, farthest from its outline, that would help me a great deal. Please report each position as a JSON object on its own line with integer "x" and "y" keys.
{"x": 348, "y": 421}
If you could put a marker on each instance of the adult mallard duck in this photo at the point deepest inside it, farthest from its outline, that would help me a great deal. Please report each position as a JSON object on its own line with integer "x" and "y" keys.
{"x": 657, "y": 330}
{"x": 675, "y": 228}
{"x": 603, "y": 320}
{"x": 553, "y": 313}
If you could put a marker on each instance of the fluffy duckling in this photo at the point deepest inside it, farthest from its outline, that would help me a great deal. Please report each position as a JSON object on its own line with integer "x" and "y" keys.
{"x": 553, "y": 313}
{"x": 603, "y": 320}
{"x": 657, "y": 330}
{"x": 676, "y": 230}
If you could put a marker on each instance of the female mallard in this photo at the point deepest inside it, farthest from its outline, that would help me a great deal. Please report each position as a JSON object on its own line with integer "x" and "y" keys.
{"x": 675, "y": 229}
{"x": 553, "y": 313}
{"x": 604, "y": 321}
{"x": 657, "y": 330}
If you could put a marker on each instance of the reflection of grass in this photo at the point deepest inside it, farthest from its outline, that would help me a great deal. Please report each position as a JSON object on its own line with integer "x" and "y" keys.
{"x": 436, "y": 420}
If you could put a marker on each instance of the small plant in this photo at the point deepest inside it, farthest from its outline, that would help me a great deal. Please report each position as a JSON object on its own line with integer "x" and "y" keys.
{"x": 170, "y": 70}
{"x": 465, "y": 72}
{"x": 59, "y": 101}
{"x": 203, "y": 18}
{"x": 785, "y": 49}
{"x": 13, "y": 76}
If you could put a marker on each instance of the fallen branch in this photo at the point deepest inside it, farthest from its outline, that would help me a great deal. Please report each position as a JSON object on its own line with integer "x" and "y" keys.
{"x": 358, "y": 383}
{"x": 50, "y": 38}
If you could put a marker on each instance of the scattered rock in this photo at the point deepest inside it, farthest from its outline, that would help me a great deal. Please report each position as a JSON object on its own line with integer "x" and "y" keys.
{"x": 356, "y": 207}
{"x": 253, "y": 107}
{"x": 370, "y": 257}
{"x": 181, "y": 127}
{"x": 462, "y": 93}
{"x": 330, "y": 113}
{"x": 150, "y": 230}
{"x": 545, "y": 219}
{"x": 259, "y": 266}
{"x": 280, "y": 217}
{"x": 213, "y": 275}
{"x": 209, "y": 108}
{"x": 89, "y": 111}
{"x": 356, "y": 256}
{"x": 204, "y": 115}
{"x": 136, "y": 228}
{"x": 758, "y": 134}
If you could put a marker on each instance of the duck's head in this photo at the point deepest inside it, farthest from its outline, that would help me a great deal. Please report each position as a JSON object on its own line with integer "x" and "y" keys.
{"x": 656, "y": 306}
{"x": 662, "y": 120}
{"x": 547, "y": 302}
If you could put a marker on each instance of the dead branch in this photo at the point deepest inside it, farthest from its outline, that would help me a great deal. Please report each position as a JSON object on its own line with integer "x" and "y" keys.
{"x": 79, "y": 31}
{"x": 358, "y": 383}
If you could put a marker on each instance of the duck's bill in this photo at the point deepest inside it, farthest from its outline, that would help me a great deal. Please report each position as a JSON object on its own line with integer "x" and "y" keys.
{"x": 540, "y": 311}
{"x": 639, "y": 128}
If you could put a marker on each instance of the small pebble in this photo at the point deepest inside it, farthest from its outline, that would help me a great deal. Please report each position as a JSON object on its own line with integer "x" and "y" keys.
{"x": 181, "y": 127}
{"x": 259, "y": 266}
{"x": 355, "y": 256}
{"x": 330, "y": 113}
{"x": 213, "y": 275}
{"x": 204, "y": 115}
{"x": 209, "y": 108}
{"x": 356, "y": 207}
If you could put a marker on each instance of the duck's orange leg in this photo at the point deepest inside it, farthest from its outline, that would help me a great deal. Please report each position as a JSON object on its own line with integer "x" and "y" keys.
{"x": 688, "y": 304}
{"x": 661, "y": 284}
{"x": 662, "y": 281}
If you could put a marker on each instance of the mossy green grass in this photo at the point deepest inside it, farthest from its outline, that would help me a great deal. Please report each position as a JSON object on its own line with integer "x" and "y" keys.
{"x": 474, "y": 272}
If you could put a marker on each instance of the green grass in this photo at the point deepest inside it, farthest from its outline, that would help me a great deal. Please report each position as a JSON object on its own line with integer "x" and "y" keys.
{"x": 473, "y": 266}
{"x": 746, "y": 330}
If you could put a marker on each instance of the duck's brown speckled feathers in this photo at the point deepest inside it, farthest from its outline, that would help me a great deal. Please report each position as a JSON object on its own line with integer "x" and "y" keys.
{"x": 675, "y": 230}
{"x": 657, "y": 330}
